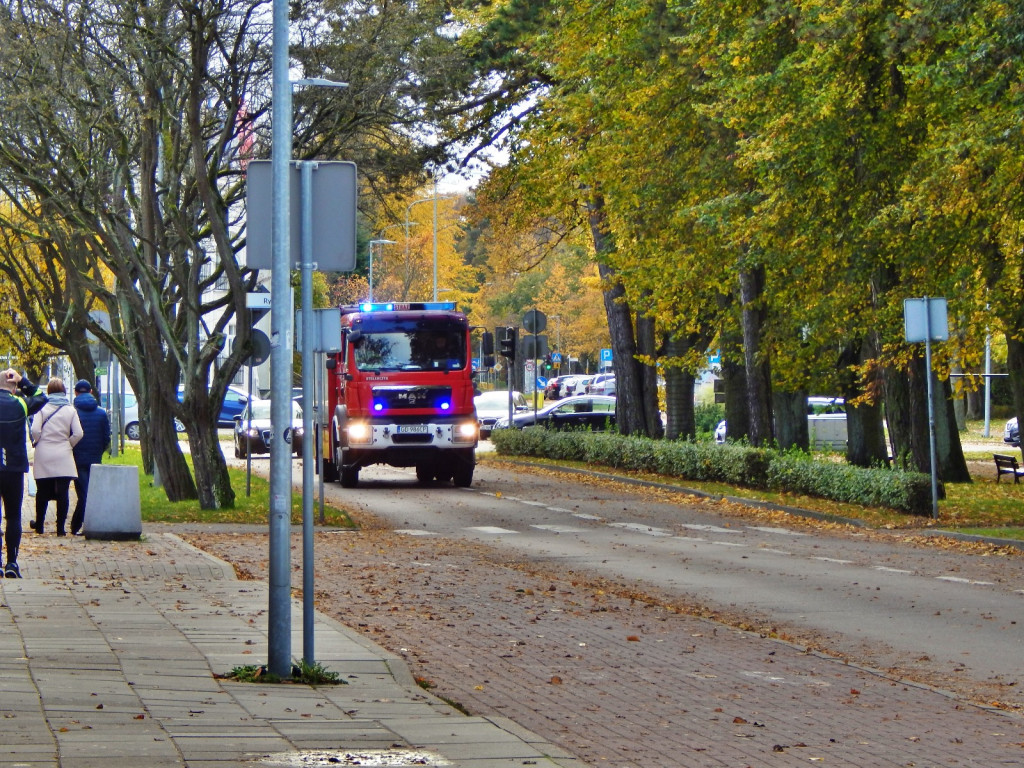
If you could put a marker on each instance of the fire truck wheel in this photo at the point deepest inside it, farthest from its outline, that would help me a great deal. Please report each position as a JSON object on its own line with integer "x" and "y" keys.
{"x": 349, "y": 477}
{"x": 425, "y": 473}
{"x": 463, "y": 477}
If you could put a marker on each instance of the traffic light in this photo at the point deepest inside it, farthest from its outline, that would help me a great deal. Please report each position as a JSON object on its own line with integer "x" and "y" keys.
{"x": 547, "y": 362}
{"x": 508, "y": 343}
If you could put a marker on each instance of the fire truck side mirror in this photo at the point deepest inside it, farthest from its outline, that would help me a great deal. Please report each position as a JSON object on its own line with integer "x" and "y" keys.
{"x": 354, "y": 337}
{"x": 331, "y": 363}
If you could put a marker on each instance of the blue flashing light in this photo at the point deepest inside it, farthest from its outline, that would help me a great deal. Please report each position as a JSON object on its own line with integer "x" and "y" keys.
{"x": 395, "y": 306}
{"x": 378, "y": 407}
{"x": 445, "y": 405}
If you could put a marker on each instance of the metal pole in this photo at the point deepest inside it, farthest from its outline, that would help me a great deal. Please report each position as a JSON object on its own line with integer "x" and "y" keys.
{"x": 320, "y": 374}
{"x": 931, "y": 405}
{"x": 248, "y": 429}
{"x": 371, "y": 273}
{"x": 308, "y": 610}
{"x": 435, "y": 238}
{"x": 988, "y": 382}
{"x": 279, "y": 629}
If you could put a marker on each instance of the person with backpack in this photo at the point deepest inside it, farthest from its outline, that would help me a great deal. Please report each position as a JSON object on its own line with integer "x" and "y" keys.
{"x": 90, "y": 449}
{"x": 56, "y": 429}
{"x": 19, "y": 400}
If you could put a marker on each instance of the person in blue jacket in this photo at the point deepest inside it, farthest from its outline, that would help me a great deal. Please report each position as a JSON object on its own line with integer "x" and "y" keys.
{"x": 19, "y": 399}
{"x": 90, "y": 449}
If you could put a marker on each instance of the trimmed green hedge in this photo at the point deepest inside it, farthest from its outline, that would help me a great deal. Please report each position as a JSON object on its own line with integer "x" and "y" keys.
{"x": 732, "y": 464}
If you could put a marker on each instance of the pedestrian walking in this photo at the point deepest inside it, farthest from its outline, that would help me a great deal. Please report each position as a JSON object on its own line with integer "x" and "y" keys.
{"x": 90, "y": 449}
{"x": 56, "y": 430}
{"x": 19, "y": 400}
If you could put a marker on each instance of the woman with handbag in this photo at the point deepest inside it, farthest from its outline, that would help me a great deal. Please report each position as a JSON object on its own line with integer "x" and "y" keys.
{"x": 55, "y": 431}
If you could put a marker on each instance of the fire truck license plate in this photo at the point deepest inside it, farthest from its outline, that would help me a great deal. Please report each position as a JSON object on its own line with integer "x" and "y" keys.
{"x": 418, "y": 429}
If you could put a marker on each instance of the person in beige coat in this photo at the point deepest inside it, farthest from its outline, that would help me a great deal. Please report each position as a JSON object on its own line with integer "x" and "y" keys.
{"x": 55, "y": 431}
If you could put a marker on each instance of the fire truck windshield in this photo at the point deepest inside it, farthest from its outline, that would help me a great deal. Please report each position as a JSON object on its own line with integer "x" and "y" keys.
{"x": 411, "y": 346}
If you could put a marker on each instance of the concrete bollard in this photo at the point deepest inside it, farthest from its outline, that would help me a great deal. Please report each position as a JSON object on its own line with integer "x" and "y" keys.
{"x": 113, "y": 508}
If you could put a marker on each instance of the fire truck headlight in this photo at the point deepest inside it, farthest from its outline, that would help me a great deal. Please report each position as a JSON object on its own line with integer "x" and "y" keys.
{"x": 358, "y": 432}
{"x": 465, "y": 432}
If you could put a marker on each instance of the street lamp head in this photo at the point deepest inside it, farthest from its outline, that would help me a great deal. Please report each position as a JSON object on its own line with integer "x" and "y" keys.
{"x": 322, "y": 82}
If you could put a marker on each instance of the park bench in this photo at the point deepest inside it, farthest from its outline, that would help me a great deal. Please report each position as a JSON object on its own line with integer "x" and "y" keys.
{"x": 1007, "y": 465}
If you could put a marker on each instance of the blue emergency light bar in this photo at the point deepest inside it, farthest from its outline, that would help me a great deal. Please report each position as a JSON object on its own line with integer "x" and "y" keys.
{"x": 403, "y": 306}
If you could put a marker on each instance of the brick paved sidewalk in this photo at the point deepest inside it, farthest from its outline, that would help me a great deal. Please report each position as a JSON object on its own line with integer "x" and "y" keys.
{"x": 620, "y": 682}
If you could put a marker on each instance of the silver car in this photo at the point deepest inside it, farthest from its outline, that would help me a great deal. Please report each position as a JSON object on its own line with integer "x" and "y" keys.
{"x": 491, "y": 406}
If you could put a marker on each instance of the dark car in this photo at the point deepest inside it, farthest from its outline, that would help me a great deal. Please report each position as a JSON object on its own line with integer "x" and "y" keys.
{"x": 595, "y": 412}
{"x": 252, "y": 435}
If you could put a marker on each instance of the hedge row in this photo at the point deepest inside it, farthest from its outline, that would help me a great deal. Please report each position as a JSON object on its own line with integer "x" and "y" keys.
{"x": 732, "y": 464}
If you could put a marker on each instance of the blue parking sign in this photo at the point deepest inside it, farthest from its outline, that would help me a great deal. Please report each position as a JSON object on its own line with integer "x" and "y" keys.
{"x": 606, "y": 356}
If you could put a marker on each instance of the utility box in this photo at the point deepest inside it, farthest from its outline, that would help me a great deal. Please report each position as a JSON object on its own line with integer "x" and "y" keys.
{"x": 113, "y": 509}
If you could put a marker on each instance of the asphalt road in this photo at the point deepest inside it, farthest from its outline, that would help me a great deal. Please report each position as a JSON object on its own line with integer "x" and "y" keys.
{"x": 952, "y": 616}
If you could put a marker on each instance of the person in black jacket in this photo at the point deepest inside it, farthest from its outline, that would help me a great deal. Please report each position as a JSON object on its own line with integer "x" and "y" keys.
{"x": 90, "y": 449}
{"x": 19, "y": 399}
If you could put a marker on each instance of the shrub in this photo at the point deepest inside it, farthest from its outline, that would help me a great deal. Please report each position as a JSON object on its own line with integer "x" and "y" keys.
{"x": 733, "y": 464}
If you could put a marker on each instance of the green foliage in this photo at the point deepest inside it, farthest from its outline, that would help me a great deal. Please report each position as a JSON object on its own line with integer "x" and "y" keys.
{"x": 303, "y": 673}
{"x": 732, "y": 464}
{"x": 707, "y": 416}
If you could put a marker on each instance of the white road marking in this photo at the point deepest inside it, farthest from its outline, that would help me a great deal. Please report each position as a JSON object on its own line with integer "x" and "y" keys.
{"x": 958, "y": 580}
{"x": 832, "y": 560}
{"x": 782, "y": 531}
{"x": 414, "y": 532}
{"x": 709, "y": 528}
{"x": 492, "y": 529}
{"x": 558, "y": 528}
{"x": 887, "y": 569}
{"x": 641, "y": 528}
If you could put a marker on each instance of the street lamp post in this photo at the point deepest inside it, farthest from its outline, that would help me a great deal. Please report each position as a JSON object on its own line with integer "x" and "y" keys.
{"x": 281, "y": 364}
{"x": 373, "y": 243}
{"x": 408, "y": 208}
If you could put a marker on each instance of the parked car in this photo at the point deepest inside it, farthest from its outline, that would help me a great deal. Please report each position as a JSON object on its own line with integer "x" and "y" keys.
{"x": 491, "y": 406}
{"x": 235, "y": 400}
{"x": 553, "y": 390}
{"x": 826, "y": 422}
{"x": 567, "y": 386}
{"x": 581, "y": 384}
{"x": 253, "y": 436}
{"x": 602, "y": 384}
{"x": 1011, "y": 433}
{"x": 595, "y": 412}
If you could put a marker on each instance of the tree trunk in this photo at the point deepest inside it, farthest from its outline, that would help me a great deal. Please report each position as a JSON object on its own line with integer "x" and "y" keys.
{"x": 647, "y": 347}
{"x": 630, "y": 407}
{"x": 791, "y": 429}
{"x": 756, "y": 362}
{"x": 898, "y": 416}
{"x": 913, "y": 425}
{"x": 865, "y": 428}
{"x": 679, "y": 384}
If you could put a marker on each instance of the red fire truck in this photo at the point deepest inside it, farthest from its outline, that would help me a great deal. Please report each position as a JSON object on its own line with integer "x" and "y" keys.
{"x": 400, "y": 392}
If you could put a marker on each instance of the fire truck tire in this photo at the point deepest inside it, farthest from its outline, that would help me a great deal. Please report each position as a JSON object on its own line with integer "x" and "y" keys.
{"x": 349, "y": 477}
{"x": 425, "y": 473}
{"x": 463, "y": 475}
